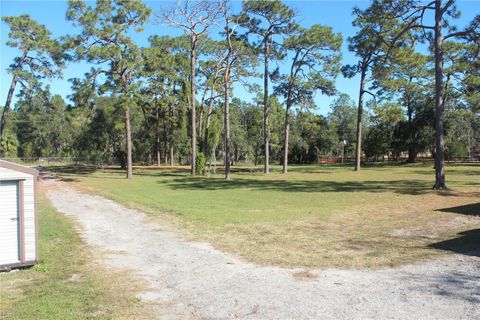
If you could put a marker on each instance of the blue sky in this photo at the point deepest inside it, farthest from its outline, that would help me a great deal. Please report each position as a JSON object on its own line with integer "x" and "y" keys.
{"x": 336, "y": 14}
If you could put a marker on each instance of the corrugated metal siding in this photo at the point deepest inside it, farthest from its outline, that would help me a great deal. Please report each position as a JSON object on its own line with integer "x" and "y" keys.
{"x": 7, "y": 234}
{"x": 9, "y": 239}
{"x": 29, "y": 216}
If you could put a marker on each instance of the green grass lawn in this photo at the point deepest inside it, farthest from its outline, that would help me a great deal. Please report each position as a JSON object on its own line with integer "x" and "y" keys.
{"x": 66, "y": 285}
{"x": 316, "y": 216}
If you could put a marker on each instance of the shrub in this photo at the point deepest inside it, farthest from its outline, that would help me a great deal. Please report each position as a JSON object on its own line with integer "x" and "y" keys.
{"x": 200, "y": 164}
{"x": 9, "y": 145}
{"x": 456, "y": 149}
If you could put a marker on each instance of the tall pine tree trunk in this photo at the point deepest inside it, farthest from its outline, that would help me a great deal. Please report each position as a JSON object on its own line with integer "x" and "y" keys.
{"x": 358, "y": 149}
{"x": 157, "y": 133}
{"x": 439, "y": 103}
{"x": 266, "y": 110}
{"x": 200, "y": 125}
{"x": 287, "y": 129}
{"x": 6, "y": 108}
{"x": 194, "y": 117}
{"x": 128, "y": 137}
{"x": 207, "y": 122}
{"x": 412, "y": 147}
{"x": 256, "y": 154}
{"x": 11, "y": 90}
{"x": 165, "y": 135}
{"x": 285, "y": 145}
{"x": 226, "y": 119}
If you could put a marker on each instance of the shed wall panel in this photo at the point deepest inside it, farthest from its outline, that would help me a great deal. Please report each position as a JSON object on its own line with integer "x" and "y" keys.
{"x": 9, "y": 230}
{"x": 29, "y": 216}
{"x": 10, "y": 233}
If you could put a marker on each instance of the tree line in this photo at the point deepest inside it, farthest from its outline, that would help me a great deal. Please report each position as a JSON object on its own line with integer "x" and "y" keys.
{"x": 171, "y": 102}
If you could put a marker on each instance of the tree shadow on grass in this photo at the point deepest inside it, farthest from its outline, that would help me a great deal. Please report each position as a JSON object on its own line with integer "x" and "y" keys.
{"x": 72, "y": 169}
{"x": 178, "y": 179}
{"x": 67, "y": 172}
{"x": 472, "y": 209}
{"x": 46, "y": 176}
{"x": 453, "y": 284}
{"x": 458, "y": 283}
{"x": 467, "y": 243}
{"x": 412, "y": 187}
{"x": 151, "y": 173}
{"x": 183, "y": 169}
{"x": 464, "y": 172}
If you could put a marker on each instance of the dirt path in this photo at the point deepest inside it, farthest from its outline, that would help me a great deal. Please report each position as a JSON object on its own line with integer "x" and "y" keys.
{"x": 194, "y": 281}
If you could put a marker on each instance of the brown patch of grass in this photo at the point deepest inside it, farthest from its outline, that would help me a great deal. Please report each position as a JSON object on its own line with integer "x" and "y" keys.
{"x": 316, "y": 216}
{"x": 367, "y": 236}
{"x": 76, "y": 277}
{"x": 305, "y": 275}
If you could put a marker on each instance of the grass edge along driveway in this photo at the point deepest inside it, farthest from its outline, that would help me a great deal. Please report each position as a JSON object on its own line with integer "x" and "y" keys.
{"x": 317, "y": 216}
{"x": 68, "y": 283}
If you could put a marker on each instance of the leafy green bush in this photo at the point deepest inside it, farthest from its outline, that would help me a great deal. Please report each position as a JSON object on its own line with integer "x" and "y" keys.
{"x": 456, "y": 149}
{"x": 9, "y": 145}
{"x": 200, "y": 164}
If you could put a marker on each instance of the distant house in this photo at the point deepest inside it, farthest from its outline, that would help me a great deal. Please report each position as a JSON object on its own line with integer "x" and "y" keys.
{"x": 18, "y": 216}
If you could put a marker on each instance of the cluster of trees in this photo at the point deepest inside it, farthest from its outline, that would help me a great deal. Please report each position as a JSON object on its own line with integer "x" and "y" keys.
{"x": 171, "y": 102}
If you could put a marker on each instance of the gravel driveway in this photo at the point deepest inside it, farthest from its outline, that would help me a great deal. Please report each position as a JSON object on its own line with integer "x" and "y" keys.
{"x": 195, "y": 281}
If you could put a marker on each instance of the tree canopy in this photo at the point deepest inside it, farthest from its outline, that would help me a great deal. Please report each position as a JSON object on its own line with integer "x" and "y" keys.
{"x": 157, "y": 102}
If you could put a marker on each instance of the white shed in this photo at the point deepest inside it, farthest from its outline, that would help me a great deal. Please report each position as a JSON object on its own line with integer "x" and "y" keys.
{"x": 18, "y": 216}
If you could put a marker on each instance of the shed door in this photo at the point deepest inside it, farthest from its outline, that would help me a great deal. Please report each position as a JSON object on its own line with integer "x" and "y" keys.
{"x": 9, "y": 224}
